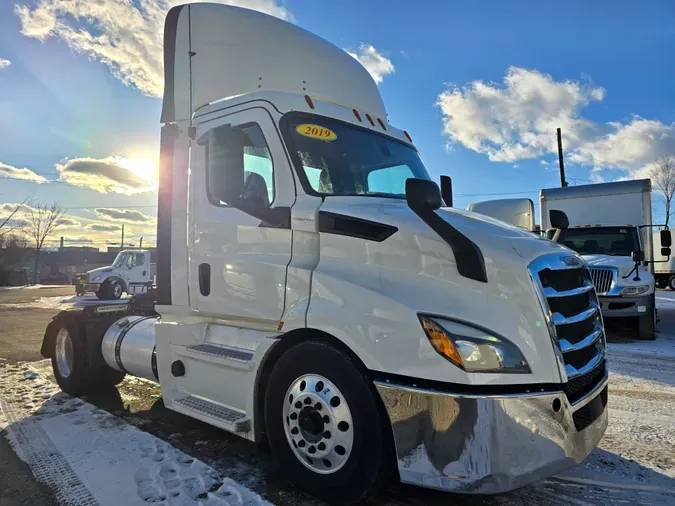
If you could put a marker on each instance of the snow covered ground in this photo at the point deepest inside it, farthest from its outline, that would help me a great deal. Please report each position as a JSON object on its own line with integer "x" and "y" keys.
{"x": 29, "y": 287}
{"x": 90, "y": 457}
{"x": 63, "y": 302}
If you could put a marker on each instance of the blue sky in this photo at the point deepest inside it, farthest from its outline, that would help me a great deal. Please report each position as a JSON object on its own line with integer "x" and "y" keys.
{"x": 480, "y": 86}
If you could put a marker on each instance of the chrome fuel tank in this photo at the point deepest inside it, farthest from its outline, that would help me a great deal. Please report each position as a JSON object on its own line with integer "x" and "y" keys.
{"x": 129, "y": 346}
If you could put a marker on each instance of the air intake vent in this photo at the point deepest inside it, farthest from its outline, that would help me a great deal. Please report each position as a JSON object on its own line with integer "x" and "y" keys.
{"x": 568, "y": 296}
{"x": 603, "y": 279}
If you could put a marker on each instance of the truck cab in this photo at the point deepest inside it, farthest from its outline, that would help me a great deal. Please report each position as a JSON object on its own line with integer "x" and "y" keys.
{"x": 130, "y": 272}
{"x": 313, "y": 291}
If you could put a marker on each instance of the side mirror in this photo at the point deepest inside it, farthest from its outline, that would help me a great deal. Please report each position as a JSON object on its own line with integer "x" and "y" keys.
{"x": 422, "y": 194}
{"x": 666, "y": 239}
{"x": 558, "y": 219}
{"x": 638, "y": 256}
{"x": 665, "y": 252}
{"x": 446, "y": 190}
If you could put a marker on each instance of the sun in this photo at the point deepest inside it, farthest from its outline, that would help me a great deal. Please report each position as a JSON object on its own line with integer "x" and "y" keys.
{"x": 145, "y": 168}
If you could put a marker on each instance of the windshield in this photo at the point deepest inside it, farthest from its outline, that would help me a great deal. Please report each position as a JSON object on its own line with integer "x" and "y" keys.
{"x": 616, "y": 241}
{"x": 336, "y": 158}
{"x": 119, "y": 259}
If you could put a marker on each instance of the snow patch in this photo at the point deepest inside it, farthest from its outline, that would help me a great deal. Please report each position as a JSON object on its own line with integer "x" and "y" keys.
{"x": 91, "y": 457}
{"x": 63, "y": 302}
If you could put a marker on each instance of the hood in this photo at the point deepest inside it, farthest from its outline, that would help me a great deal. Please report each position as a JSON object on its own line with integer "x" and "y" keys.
{"x": 492, "y": 235}
{"x": 101, "y": 270}
{"x": 623, "y": 264}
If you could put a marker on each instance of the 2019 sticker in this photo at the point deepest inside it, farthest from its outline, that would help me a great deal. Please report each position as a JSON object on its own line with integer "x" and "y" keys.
{"x": 316, "y": 132}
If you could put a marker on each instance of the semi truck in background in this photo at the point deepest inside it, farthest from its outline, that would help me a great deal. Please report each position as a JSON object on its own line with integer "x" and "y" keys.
{"x": 132, "y": 272}
{"x": 610, "y": 226}
{"x": 518, "y": 212}
{"x": 313, "y": 292}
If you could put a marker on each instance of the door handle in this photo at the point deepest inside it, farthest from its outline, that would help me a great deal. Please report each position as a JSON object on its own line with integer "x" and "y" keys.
{"x": 205, "y": 279}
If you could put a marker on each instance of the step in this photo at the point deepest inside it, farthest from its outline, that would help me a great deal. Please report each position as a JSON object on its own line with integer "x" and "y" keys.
{"x": 235, "y": 419}
{"x": 222, "y": 351}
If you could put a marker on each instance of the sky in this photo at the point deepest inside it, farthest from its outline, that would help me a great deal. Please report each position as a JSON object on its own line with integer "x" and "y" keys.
{"x": 480, "y": 86}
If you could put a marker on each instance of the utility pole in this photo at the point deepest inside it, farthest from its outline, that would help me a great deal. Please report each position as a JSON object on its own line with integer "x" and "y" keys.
{"x": 563, "y": 183}
{"x": 122, "y": 243}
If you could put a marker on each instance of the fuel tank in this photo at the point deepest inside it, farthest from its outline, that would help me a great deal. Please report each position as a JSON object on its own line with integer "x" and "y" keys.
{"x": 129, "y": 346}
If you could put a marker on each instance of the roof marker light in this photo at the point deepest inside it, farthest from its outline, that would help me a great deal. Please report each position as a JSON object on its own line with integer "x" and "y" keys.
{"x": 370, "y": 119}
{"x": 309, "y": 101}
{"x": 356, "y": 113}
{"x": 381, "y": 124}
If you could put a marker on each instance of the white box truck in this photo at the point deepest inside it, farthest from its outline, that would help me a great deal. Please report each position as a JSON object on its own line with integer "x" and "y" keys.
{"x": 608, "y": 223}
{"x": 131, "y": 272}
{"x": 313, "y": 292}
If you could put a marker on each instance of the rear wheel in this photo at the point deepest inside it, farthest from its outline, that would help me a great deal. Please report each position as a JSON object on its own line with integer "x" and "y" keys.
{"x": 70, "y": 364}
{"x": 324, "y": 425}
{"x": 671, "y": 283}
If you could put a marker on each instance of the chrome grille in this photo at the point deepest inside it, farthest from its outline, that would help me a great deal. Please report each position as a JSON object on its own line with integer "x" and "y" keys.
{"x": 567, "y": 295}
{"x": 603, "y": 279}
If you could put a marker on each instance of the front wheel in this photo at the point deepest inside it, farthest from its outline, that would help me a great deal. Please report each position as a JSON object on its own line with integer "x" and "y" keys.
{"x": 324, "y": 425}
{"x": 647, "y": 326}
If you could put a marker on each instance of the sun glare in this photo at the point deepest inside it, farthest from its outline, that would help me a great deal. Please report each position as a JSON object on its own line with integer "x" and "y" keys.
{"x": 142, "y": 167}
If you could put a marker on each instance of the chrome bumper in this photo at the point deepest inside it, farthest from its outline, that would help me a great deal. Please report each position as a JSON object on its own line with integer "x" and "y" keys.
{"x": 488, "y": 444}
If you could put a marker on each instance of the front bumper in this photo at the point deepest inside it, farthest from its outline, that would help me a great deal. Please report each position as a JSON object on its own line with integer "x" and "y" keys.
{"x": 614, "y": 307}
{"x": 489, "y": 444}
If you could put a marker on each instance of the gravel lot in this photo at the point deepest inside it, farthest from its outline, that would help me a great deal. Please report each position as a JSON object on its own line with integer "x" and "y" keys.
{"x": 635, "y": 462}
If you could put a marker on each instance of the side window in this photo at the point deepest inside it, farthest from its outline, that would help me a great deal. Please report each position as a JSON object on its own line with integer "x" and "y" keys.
{"x": 140, "y": 259}
{"x": 130, "y": 259}
{"x": 239, "y": 165}
{"x": 389, "y": 180}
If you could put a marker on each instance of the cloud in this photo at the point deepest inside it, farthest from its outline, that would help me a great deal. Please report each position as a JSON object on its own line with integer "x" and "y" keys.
{"x": 67, "y": 221}
{"x": 103, "y": 227}
{"x": 124, "y": 35}
{"x": 25, "y": 174}
{"x": 632, "y": 146}
{"x": 128, "y": 215}
{"x": 517, "y": 119}
{"x": 111, "y": 174}
{"x": 4, "y": 63}
{"x": 374, "y": 62}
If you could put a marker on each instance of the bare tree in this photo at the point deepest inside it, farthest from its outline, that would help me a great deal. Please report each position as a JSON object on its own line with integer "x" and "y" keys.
{"x": 663, "y": 176}
{"x": 43, "y": 220}
{"x": 6, "y": 224}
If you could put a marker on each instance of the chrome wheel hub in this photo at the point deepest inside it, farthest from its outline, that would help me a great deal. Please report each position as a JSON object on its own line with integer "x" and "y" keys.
{"x": 318, "y": 424}
{"x": 64, "y": 353}
{"x": 117, "y": 290}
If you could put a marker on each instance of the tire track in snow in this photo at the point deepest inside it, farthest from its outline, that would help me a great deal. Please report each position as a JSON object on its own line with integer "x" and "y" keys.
{"x": 33, "y": 446}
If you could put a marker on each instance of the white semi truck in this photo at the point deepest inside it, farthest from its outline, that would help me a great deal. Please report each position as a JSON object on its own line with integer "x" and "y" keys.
{"x": 610, "y": 226}
{"x": 131, "y": 272}
{"x": 312, "y": 292}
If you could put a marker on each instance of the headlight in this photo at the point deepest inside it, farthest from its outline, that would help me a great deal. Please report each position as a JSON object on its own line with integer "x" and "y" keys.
{"x": 634, "y": 290}
{"x": 472, "y": 348}
{"x": 96, "y": 278}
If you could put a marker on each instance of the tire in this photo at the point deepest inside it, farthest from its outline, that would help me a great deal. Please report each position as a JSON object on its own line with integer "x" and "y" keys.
{"x": 115, "y": 289}
{"x": 358, "y": 470}
{"x": 102, "y": 292}
{"x": 671, "y": 283}
{"x": 647, "y": 327}
{"x": 70, "y": 364}
{"x": 661, "y": 283}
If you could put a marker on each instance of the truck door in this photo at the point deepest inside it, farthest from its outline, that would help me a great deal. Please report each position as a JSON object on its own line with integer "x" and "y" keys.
{"x": 135, "y": 272}
{"x": 241, "y": 191}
